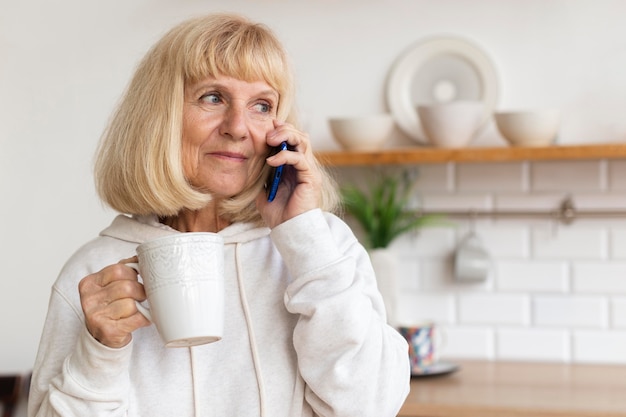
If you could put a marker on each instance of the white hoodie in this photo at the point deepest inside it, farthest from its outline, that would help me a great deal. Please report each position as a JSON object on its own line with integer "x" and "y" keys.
{"x": 304, "y": 334}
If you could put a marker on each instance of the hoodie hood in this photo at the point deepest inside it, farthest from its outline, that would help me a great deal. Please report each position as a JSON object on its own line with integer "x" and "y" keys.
{"x": 138, "y": 229}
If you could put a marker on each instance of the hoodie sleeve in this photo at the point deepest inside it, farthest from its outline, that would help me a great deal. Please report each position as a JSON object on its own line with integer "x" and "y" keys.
{"x": 75, "y": 375}
{"x": 353, "y": 363}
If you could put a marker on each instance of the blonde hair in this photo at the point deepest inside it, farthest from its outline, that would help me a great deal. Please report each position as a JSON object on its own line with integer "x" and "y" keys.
{"x": 138, "y": 167}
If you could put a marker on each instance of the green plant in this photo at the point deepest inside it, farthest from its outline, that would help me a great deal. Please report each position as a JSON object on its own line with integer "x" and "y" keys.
{"x": 382, "y": 211}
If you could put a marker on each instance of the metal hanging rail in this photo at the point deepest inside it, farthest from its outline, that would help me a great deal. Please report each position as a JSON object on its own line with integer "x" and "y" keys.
{"x": 566, "y": 213}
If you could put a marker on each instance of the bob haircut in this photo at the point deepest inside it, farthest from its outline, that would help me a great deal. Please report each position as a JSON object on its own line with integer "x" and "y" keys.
{"x": 138, "y": 166}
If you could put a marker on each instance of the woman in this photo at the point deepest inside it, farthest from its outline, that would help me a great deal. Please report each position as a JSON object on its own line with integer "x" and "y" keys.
{"x": 187, "y": 150}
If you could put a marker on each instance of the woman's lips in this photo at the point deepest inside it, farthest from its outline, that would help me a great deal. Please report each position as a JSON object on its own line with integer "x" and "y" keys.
{"x": 231, "y": 156}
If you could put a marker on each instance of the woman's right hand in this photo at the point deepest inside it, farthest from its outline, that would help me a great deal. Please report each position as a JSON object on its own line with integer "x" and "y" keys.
{"x": 108, "y": 301}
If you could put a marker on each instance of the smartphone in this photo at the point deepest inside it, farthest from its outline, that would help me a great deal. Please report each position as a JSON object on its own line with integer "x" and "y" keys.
{"x": 275, "y": 174}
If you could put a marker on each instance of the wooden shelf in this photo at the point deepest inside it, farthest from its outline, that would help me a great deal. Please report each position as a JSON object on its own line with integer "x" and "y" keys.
{"x": 423, "y": 155}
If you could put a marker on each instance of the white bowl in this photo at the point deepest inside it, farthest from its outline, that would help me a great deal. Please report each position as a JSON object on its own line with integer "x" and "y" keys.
{"x": 365, "y": 133}
{"x": 453, "y": 124}
{"x": 529, "y": 128}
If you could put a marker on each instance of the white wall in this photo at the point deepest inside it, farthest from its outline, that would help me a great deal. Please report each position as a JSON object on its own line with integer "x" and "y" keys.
{"x": 64, "y": 64}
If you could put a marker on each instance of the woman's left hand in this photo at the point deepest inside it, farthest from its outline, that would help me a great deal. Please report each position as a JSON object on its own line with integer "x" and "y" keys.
{"x": 300, "y": 185}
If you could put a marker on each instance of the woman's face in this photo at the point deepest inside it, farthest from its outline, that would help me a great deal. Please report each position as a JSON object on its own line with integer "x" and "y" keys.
{"x": 225, "y": 124}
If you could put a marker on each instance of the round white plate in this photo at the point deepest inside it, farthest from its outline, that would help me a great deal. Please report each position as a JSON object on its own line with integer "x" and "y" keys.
{"x": 437, "y": 71}
{"x": 439, "y": 368}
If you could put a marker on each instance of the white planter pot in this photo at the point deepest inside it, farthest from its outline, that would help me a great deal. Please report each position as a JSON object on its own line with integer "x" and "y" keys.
{"x": 384, "y": 262}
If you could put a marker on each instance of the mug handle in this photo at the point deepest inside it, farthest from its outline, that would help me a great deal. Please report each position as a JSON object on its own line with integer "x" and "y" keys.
{"x": 143, "y": 310}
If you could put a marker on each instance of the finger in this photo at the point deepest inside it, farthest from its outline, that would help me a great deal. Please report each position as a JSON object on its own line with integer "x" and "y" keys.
{"x": 122, "y": 309}
{"x": 291, "y": 156}
{"x": 297, "y": 140}
{"x": 123, "y": 289}
{"x": 133, "y": 259}
{"x": 115, "y": 272}
{"x": 299, "y": 161}
{"x": 113, "y": 326}
{"x": 95, "y": 298}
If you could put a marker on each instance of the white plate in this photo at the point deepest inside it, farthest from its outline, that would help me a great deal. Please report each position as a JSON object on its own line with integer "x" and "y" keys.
{"x": 436, "y": 71}
{"x": 440, "y": 368}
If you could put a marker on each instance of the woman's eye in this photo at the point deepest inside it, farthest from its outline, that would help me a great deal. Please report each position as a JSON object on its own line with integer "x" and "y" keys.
{"x": 263, "y": 107}
{"x": 211, "y": 98}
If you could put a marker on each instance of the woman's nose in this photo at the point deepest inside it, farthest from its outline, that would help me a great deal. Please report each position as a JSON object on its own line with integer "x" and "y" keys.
{"x": 234, "y": 123}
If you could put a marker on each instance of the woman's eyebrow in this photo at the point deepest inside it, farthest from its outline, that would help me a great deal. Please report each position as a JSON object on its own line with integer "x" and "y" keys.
{"x": 268, "y": 92}
{"x": 215, "y": 84}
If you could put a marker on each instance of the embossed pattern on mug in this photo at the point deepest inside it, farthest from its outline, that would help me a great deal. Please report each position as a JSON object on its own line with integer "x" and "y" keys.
{"x": 196, "y": 253}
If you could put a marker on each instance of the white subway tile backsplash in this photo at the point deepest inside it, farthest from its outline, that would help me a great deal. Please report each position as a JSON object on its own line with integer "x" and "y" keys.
{"x": 618, "y": 243}
{"x": 435, "y": 275}
{"x": 569, "y": 242}
{"x": 600, "y": 201}
{"x": 618, "y": 312}
{"x": 432, "y": 241}
{"x": 456, "y": 202}
{"x": 532, "y": 276}
{"x": 467, "y": 342}
{"x": 617, "y": 175}
{"x": 533, "y": 344}
{"x": 557, "y": 292}
{"x": 494, "y": 309}
{"x": 415, "y": 307}
{"x": 435, "y": 177}
{"x": 533, "y": 209}
{"x": 491, "y": 177}
{"x": 529, "y": 202}
{"x": 408, "y": 273}
{"x": 570, "y": 311}
{"x": 567, "y": 176}
{"x": 438, "y": 275}
{"x": 599, "y": 347}
{"x": 599, "y": 277}
{"x": 505, "y": 242}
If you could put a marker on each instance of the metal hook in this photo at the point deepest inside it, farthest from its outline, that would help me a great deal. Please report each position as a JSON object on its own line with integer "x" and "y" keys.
{"x": 567, "y": 212}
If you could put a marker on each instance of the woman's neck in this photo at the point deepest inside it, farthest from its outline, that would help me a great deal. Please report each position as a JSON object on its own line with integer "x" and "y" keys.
{"x": 203, "y": 220}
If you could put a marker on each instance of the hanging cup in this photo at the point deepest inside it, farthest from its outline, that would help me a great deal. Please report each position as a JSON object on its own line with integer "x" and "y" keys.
{"x": 471, "y": 260}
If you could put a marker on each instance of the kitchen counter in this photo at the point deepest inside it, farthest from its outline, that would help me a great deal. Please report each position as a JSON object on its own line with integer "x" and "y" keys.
{"x": 520, "y": 389}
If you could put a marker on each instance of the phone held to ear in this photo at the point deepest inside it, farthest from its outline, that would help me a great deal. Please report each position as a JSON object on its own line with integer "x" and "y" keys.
{"x": 275, "y": 174}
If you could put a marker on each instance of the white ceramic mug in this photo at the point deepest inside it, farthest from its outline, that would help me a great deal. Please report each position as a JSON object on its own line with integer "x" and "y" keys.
{"x": 471, "y": 262}
{"x": 183, "y": 275}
